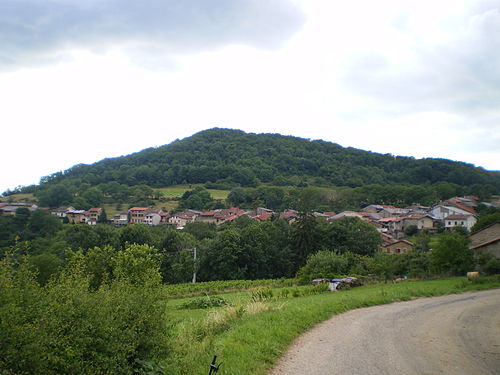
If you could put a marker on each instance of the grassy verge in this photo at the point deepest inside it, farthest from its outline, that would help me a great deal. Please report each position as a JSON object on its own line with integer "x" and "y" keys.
{"x": 249, "y": 335}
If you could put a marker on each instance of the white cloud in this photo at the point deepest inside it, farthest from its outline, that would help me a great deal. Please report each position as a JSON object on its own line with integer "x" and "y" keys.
{"x": 415, "y": 78}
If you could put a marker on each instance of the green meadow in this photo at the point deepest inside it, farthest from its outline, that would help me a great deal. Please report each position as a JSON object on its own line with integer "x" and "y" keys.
{"x": 255, "y": 327}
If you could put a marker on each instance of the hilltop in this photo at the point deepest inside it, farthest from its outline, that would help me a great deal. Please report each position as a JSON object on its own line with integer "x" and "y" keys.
{"x": 235, "y": 158}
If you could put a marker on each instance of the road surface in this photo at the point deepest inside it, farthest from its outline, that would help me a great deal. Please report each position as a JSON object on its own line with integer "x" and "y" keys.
{"x": 454, "y": 334}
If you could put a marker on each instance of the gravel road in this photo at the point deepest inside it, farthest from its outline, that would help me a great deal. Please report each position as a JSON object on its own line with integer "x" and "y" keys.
{"x": 454, "y": 334}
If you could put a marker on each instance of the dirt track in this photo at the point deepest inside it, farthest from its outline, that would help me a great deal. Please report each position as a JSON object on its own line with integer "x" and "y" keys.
{"x": 454, "y": 334}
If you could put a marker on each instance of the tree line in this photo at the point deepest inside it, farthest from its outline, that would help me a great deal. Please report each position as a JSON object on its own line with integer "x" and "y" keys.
{"x": 229, "y": 158}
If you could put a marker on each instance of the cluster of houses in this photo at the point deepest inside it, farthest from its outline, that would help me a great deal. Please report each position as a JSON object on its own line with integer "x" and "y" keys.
{"x": 10, "y": 209}
{"x": 390, "y": 221}
{"x": 148, "y": 216}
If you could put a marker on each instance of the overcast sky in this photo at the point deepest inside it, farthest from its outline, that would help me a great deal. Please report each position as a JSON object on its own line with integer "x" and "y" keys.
{"x": 81, "y": 80}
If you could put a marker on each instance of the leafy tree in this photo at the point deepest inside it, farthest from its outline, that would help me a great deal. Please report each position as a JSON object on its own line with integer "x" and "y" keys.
{"x": 42, "y": 224}
{"x": 451, "y": 254}
{"x": 323, "y": 264}
{"x": 306, "y": 234}
{"x": 137, "y": 265}
{"x": 80, "y": 237}
{"x": 45, "y": 265}
{"x": 486, "y": 220}
{"x": 93, "y": 196}
{"x": 136, "y": 234}
{"x": 98, "y": 264}
{"x": 66, "y": 328}
{"x": 221, "y": 258}
{"x": 200, "y": 230}
{"x": 351, "y": 234}
{"x": 488, "y": 263}
{"x": 54, "y": 196}
{"x": 197, "y": 199}
{"x": 103, "y": 218}
{"x": 411, "y": 230}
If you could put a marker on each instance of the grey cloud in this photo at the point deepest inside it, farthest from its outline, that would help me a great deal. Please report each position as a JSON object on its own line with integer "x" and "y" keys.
{"x": 33, "y": 31}
{"x": 462, "y": 76}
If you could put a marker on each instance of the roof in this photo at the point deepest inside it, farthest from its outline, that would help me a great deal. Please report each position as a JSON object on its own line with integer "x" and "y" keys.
{"x": 95, "y": 209}
{"x": 398, "y": 241}
{"x": 486, "y": 227}
{"x": 396, "y": 210}
{"x": 466, "y": 208}
{"x": 473, "y": 197}
{"x": 485, "y": 243}
{"x": 287, "y": 214}
{"x": 346, "y": 214}
{"x": 457, "y": 217}
{"x": 389, "y": 219}
{"x": 264, "y": 217}
{"x": 138, "y": 208}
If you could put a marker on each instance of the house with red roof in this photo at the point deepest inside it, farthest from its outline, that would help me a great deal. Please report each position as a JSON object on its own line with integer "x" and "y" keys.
{"x": 93, "y": 216}
{"x": 137, "y": 215}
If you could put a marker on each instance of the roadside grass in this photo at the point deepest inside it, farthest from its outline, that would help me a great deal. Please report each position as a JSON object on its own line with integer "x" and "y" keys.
{"x": 249, "y": 336}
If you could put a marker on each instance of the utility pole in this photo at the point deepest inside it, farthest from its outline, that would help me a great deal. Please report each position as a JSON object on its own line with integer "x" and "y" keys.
{"x": 194, "y": 265}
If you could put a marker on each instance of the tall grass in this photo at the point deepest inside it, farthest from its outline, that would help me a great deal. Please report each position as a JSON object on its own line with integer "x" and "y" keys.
{"x": 250, "y": 335}
{"x": 227, "y": 286}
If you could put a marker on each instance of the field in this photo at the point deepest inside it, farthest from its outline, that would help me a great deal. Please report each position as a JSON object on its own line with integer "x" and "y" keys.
{"x": 251, "y": 332}
{"x": 177, "y": 191}
{"x": 18, "y": 198}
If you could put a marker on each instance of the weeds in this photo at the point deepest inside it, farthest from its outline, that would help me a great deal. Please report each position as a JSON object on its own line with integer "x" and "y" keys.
{"x": 204, "y": 303}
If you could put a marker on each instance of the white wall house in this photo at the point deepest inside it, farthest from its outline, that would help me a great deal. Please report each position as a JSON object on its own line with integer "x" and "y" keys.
{"x": 466, "y": 221}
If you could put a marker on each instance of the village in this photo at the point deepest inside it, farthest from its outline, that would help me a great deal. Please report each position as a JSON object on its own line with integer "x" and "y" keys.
{"x": 394, "y": 224}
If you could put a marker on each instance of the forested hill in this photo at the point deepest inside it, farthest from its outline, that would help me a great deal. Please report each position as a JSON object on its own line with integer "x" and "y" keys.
{"x": 235, "y": 157}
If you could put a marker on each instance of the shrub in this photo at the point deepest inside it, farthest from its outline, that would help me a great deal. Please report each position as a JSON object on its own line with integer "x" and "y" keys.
{"x": 263, "y": 294}
{"x": 204, "y": 303}
{"x": 66, "y": 328}
{"x": 451, "y": 255}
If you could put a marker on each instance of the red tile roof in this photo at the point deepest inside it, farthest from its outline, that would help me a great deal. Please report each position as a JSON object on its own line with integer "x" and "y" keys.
{"x": 264, "y": 217}
{"x": 139, "y": 208}
{"x": 457, "y": 217}
{"x": 389, "y": 219}
{"x": 466, "y": 208}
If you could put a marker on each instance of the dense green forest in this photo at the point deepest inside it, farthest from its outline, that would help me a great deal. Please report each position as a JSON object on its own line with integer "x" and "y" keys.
{"x": 229, "y": 158}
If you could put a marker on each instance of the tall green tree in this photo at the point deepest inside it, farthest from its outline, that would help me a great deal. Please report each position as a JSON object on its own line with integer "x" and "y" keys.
{"x": 451, "y": 255}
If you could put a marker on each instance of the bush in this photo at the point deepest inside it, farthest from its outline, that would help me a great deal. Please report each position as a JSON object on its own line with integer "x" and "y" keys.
{"x": 451, "y": 255}
{"x": 204, "y": 303}
{"x": 323, "y": 264}
{"x": 263, "y": 294}
{"x": 488, "y": 263}
{"x": 65, "y": 328}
